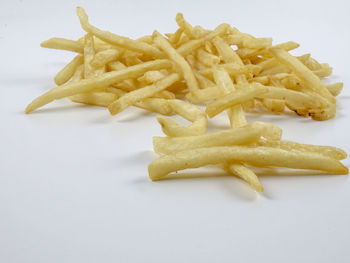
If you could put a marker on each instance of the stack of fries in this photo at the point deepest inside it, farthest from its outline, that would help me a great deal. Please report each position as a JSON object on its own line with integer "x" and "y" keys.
{"x": 170, "y": 74}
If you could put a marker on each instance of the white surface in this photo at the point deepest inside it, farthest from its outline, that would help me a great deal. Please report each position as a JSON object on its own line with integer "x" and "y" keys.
{"x": 73, "y": 180}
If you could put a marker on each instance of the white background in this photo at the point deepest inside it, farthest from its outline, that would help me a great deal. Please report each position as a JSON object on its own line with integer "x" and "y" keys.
{"x": 73, "y": 179}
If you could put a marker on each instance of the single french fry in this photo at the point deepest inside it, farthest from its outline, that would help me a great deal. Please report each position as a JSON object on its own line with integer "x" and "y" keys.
{"x": 102, "y": 99}
{"x": 335, "y": 88}
{"x": 184, "y": 25}
{"x": 63, "y": 44}
{"x": 246, "y": 174}
{"x": 328, "y": 151}
{"x": 117, "y": 40}
{"x": 89, "y": 54}
{"x": 67, "y": 72}
{"x": 261, "y": 156}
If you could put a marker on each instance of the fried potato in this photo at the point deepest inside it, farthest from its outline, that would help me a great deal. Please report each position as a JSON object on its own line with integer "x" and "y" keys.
{"x": 261, "y": 156}
{"x": 179, "y": 60}
{"x": 234, "y": 98}
{"x": 105, "y": 56}
{"x": 67, "y": 72}
{"x": 117, "y": 40}
{"x": 102, "y": 81}
{"x": 142, "y": 93}
{"x": 63, "y": 44}
{"x": 190, "y": 113}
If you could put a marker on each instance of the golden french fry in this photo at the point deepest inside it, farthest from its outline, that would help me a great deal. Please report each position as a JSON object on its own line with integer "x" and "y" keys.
{"x": 236, "y": 136}
{"x": 117, "y": 40}
{"x": 246, "y": 174}
{"x": 105, "y": 56}
{"x": 67, "y": 72}
{"x": 188, "y": 112}
{"x": 305, "y": 74}
{"x": 184, "y": 25}
{"x": 205, "y": 94}
{"x": 151, "y": 77}
{"x": 235, "y": 114}
{"x": 261, "y": 156}
{"x": 63, "y": 44}
{"x": 89, "y": 54}
{"x": 102, "y": 99}
{"x": 206, "y": 58}
{"x": 329, "y": 151}
{"x": 179, "y": 60}
{"x": 142, "y": 93}
{"x": 234, "y": 98}
{"x": 102, "y": 81}
{"x": 324, "y": 71}
{"x": 192, "y": 45}
{"x": 335, "y": 88}
{"x": 157, "y": 105}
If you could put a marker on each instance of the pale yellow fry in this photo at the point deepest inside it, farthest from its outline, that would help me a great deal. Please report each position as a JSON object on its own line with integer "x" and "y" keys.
{"x": 174, "y": 38}
{"x": 151, "y": 76}
{"x": 184, "y": 25}
{"x": 206, "y": 58}
{"x": 306, "y": 75}
{"x": 205, "y": 94}
{"x": 192, "y": 45}
{"x": 234, "y": 98}
{"x": 324, "y": 71}
{"x": 179, "y": 60}
{"x": 63, "y": 44}
{"x": 293, "y": 98}
{"x": 105, "y": 56}
{"x": 142, "y": 93}
{"x": 67, "y": 72}
{"x": 233, "y": 69}
{"x": 236, "y": 113}
{"x": 102, "y": 99}
{"x": 157, "y": 105}
{"x": 335, "y": 88}
{"x": 329, "y": 151}
{"x": 190, "y": 113}
{"x": 236, "y": 136}
{"x": 89, "y": 54}
{"x": 246, "y": 174}
{"x": 262, "y": 156}
{"x": 102, "y": 81}
{"x": 114, "y": 39}
{"x": 226, "y": 53}
{"x": 274, "y": 105}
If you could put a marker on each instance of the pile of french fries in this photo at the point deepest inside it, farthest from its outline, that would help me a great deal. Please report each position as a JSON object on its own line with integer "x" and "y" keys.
{"x": 175, "y": 73}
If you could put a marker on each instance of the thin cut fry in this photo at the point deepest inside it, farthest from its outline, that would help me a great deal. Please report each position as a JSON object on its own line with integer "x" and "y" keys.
{"x": 261, "y": 156}
{"x": 63, "y": 44}
{"x": 67, "y": 72}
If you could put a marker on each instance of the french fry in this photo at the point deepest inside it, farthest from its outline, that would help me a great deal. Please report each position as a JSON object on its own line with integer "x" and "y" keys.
{"x": 63, "y": 44}
{"x": 234, "y": 98}
{"x": 102, "y": 81}
{"x": 117, "y": 40}
{"x": 102, "y": 99}
{"x": 328, "y": 151}
{"x": 67, "y": 72}
{"x": 179, "y": 60}
{"x": 246, "y": 174}
{"x": 105, "y": 56}
{"x": 142, "y": 93}
{"x": 236, "y": 136}
{"x": 190, "y": 113}
{"x": 261, "y": 156}
{"x": 192, "y": 45}
{"x": 206, "y": 58}
{"x": 335, "y": 88}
